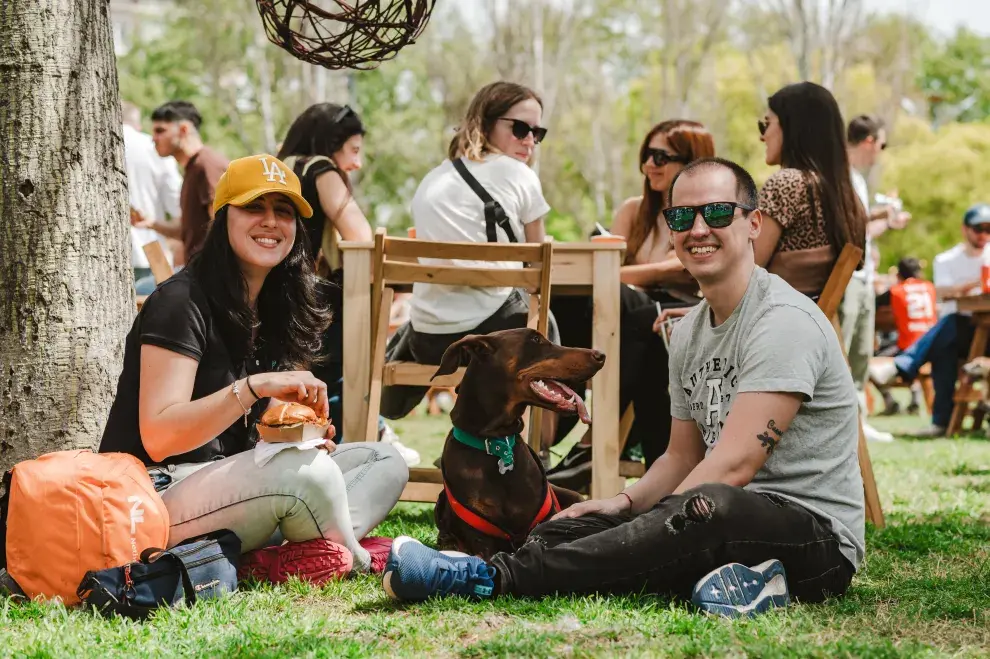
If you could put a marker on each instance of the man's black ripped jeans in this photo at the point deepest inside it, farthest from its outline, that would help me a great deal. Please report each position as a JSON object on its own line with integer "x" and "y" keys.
{"x": 668, "y": 549}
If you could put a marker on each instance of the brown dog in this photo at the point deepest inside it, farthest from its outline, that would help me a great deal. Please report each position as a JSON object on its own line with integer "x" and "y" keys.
{"x": 491, "y": 500}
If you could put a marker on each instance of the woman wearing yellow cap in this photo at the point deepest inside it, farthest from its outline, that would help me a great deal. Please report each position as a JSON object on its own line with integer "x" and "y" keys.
{"x": 211, "y": 349}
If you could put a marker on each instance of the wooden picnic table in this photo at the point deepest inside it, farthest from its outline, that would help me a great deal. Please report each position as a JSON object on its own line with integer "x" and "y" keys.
{"x": 966, "y": 395}
{"x": 578, "y": 269}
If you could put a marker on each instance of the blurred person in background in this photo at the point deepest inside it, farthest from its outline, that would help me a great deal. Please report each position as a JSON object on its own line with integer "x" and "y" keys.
{"x": 957, "y": 273}
{"x": 324, "y": 146}
{"x": 650, "y": 274}
{"x": 866, "y": 139}
{"x": 153, "y": 185}
{"x": 810, "y": 206}
{"x": 175, "y": 130}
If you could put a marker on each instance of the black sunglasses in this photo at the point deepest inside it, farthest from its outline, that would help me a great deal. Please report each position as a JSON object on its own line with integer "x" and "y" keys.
{"x": 342, "y": 114}
{"x": 717, "y": 215}
{"x": 520, "y": 129}
{"x": 980, "y": 228}
{"x": 661, "y": 157}
{"x": 763, "y": 125}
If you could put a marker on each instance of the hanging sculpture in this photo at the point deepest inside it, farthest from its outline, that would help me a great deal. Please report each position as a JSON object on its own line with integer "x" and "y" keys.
{"x": 341, "y": 34}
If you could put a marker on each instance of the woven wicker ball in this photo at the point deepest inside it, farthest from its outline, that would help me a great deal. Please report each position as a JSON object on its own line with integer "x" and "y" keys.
{"x": 339, "y": 34}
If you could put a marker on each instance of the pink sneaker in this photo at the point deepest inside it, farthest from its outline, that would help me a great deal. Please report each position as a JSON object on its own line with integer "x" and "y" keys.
{"x": 317, "y": 561}
{"x": 379, "y": 548}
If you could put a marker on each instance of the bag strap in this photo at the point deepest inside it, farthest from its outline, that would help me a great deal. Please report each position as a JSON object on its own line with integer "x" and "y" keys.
{"x": 187, "y": 585}
{"x": 492, "y": 215}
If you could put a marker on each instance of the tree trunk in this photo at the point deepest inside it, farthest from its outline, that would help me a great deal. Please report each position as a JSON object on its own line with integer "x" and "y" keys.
{"x": 67, "y": 299}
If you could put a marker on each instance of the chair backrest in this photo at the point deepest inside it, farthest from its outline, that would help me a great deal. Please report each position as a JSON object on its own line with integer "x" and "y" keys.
{"x": 842, "y": 272}
{"x": 396, "y": 262}
{"x": 160, "y": 267}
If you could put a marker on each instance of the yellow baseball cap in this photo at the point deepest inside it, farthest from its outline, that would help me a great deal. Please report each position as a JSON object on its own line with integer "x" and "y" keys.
{"x": 248, "y": 178}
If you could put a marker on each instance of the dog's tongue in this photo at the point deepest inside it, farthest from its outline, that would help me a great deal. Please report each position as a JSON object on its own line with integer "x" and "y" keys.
{"x": 568, "y": 396}
{"x": 582, "y": 411}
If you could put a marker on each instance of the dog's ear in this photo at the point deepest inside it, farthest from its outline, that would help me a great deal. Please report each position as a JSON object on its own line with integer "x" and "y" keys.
{"x": 472, "y": 345}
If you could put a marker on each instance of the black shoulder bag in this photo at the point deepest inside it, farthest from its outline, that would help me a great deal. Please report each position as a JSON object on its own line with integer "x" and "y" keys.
{"x": 494, "y": 213}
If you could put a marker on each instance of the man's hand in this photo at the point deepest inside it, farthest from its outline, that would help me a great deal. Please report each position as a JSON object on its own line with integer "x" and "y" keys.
{"x": 897, "y": 219}
{"x": 614, "y": 506}
{"x": 139, "y": 221}
{"x": 668, "y": 314}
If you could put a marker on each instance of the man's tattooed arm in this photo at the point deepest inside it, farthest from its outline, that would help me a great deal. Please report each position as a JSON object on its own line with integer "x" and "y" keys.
{"x": 770, "y": 437}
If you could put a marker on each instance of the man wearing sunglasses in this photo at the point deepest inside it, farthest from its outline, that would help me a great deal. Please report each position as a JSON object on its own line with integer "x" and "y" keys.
{"x": 758, "y": 497}
{"x": 956, "y": 274}
{"x": 867, "y": 138}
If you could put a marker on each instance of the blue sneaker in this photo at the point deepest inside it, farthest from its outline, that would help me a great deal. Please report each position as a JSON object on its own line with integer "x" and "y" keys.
{"x": 414, "y": 572}
{"x": 735, "y": 590}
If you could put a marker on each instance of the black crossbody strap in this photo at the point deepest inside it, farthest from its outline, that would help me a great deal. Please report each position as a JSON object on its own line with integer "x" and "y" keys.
{"x": 494, "y": 213}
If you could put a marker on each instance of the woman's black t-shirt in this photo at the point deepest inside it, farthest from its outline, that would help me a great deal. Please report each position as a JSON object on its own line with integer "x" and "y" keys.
{"x": 177, "y": 316}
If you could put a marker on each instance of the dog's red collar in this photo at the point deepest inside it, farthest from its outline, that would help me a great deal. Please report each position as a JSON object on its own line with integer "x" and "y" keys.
{"x": 479, "y": 523}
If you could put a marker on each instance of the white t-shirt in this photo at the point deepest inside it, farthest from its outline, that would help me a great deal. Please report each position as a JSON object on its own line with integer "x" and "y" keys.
{"x": 153, "y": 185}
{"x": 863, "y": 192}
{"x": 445, "y": 208}
{"x": 955, "y": 267}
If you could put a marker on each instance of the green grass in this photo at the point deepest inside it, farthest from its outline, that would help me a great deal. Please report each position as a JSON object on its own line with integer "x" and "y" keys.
{"x": 924, "y": 592}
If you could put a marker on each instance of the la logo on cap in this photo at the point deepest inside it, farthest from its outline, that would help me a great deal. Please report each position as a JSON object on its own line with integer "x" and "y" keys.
{"x": 272, "y": 171}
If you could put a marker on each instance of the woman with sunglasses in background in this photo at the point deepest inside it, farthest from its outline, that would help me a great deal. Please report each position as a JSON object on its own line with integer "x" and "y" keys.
{"x": 810, "y": 208}
{"x": 494, "y": 144}
{"x": 666, "y": 150}
{"x": 650, "y": 265}
{"x": 323, "y": 147}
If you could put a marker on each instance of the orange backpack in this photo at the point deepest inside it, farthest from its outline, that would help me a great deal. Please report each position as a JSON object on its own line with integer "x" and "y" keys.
{"x": 69, "y": 512}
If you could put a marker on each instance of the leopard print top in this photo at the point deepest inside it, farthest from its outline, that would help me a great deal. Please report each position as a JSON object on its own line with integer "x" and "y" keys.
{"x": 804, "y": 257}
{"x": 785, "y": 198}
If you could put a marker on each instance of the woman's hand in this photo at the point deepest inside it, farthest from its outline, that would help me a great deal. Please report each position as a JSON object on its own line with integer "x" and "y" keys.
{"x": 617, "y": 505}
{"x": 299, "y": 386}
{"x": 668, "y": 314}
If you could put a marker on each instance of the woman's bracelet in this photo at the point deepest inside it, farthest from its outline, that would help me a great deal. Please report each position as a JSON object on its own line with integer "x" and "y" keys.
{"x": 237, "y": 397}
{"x": 251, "y": 389}
{"x": 629, "y": 498}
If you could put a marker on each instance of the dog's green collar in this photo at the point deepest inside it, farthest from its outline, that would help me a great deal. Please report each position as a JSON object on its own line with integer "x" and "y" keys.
{"x": 500, "y": 447}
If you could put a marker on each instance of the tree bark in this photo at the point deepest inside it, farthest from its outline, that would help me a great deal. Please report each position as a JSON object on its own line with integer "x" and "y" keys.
{"x": 67, "y": 299}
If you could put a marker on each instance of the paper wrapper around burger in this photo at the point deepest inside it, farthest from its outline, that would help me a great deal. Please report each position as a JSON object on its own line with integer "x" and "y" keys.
{"x": 297, "y": 432}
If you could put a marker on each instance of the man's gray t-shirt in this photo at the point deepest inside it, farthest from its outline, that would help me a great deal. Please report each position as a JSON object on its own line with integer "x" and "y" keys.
{"x": 778, "y": 340}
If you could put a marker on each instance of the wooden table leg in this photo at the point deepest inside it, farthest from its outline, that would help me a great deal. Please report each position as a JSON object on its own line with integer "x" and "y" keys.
{"x": 605, "y": 479}
{"x": 976, "y": 349}
{"x": 357, "y": 335}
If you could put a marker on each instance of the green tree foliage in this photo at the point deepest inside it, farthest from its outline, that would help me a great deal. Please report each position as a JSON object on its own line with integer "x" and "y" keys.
{"x": 610, "y": 69}
{"x": 955, "y": 76}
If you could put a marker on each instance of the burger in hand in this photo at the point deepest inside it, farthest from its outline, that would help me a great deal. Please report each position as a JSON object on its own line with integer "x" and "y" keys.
{"x": 291, "y": 422}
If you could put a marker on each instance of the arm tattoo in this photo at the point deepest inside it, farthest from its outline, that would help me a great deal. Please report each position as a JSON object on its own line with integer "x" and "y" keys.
{"x": 770, "y": 437}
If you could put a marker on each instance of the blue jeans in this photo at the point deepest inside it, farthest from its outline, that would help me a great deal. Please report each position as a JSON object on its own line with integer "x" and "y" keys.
{"x": 942, "y": 345}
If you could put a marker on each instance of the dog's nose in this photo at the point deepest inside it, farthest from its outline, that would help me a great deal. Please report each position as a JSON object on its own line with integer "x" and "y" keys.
{"x": 598, "y": 355}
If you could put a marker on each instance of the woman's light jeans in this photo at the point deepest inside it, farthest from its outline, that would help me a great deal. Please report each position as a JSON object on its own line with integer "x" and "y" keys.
{"x": 297, "y": 495}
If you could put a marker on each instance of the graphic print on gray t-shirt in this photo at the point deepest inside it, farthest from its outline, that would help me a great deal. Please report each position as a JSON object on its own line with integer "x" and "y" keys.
{"x": 778, "y": 340}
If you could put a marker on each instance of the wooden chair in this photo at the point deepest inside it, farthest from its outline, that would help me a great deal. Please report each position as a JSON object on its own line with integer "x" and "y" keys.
{"x": 160, "y": 267}
{"x": 395, "y": 262}
{"x": 829, "y": 302}
{"x": 885, "y": 323}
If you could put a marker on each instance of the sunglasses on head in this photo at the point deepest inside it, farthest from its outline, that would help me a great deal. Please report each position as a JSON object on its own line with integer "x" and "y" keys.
{"x": 717, "y": 215}
{"x": 520, "y": 129}
{"x": 661, "y": 157}
{"x": 342, "y": 114}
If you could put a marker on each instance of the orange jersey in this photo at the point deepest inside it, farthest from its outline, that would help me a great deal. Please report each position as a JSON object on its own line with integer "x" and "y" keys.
{"x": 913, "y": 304}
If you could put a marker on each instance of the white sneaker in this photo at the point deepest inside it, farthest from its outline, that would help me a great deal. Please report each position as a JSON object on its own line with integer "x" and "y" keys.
{"x": 411, "y": 456}
{"x": 874, "y": 435}
{"x": 882, "y": 372}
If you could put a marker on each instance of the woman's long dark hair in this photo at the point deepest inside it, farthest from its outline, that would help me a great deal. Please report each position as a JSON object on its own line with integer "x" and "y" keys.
{"x": 815, "y": 143}
{"x": 290, "y": 317}
{"x": 689, "y": 139}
